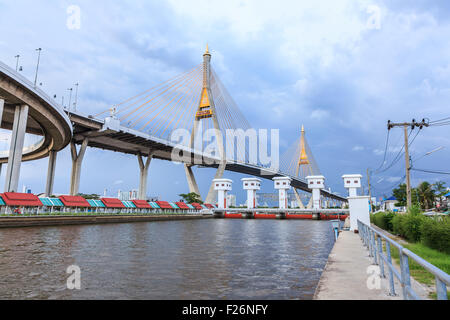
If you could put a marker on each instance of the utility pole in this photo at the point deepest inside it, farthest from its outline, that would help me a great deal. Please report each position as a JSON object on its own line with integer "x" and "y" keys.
{"x": 405, "y": 125}
{"x": 370, "y": 193}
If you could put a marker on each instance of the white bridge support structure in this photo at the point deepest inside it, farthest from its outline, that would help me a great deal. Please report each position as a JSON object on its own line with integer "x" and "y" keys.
{"x": 222, "y": 186}
{"x": 358, "y": 205}
{"x": 77, "y": 159}
{"x": 143, "y": 174}
{"x": 316, "y": 183}
{"x": 282, "y": 184}
{"x": 16, "y": 148}
{"x": 251, "y": 185}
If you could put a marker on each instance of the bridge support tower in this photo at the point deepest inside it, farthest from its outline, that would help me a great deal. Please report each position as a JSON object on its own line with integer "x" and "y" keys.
{"x": 77, "y": 159}
{"x": 16, "y": 148}
{"x": 50, "y": 173}
{"x": 143, "y": 176}
{"x": 206, "y": 110}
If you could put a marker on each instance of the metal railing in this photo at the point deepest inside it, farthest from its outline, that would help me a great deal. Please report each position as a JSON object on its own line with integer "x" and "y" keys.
{"x": 373, "y": 240}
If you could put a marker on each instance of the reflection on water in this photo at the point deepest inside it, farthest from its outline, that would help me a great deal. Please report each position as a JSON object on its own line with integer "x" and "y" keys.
{"x": 199, "y": 259}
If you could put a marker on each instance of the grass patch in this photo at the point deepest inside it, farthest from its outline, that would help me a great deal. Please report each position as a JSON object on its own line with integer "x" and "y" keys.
{"x": 436, "y": 258}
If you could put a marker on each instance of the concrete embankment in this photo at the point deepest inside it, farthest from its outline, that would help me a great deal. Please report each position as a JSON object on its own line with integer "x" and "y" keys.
{"x": 348, "y": 276}
{"x": 16, "y": 222}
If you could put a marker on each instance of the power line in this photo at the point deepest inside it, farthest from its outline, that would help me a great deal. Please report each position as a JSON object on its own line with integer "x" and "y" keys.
{"x": 430, "y": 171}
{"x": 385, "y": 151}
{"x": 431, "y": 122}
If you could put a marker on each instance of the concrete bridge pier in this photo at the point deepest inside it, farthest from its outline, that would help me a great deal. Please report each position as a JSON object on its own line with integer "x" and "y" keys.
{"x": 77, "y": 159}
{"x": 16, "y": 148}
{"x": 299, "y": 200}
{"x": 51, "y": 173}
{"x": 143, "y": 169}
{"x": 219, "y": 174}
{"x": 192, "y": 183}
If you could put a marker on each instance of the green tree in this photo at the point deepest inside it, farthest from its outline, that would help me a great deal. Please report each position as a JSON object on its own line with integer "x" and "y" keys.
{"x": 440, "y": 190}
{"x": 400, "y": 194}
{"x": 90, "y": 196}
{"x": 191, "y": 197}
{"x": 426, "y": 195}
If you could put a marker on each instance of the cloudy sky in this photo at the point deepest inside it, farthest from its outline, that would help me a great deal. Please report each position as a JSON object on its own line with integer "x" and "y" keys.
{"x": 341, "y": 68}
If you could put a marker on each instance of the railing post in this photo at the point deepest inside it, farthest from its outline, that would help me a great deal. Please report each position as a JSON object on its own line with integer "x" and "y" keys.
{"x": 391, "y": 274}
{"x": 406, "y": 280}
{"x": 374, "y": 246}
{"x": 380, "y": 254}
{"x": 441, "y": 289}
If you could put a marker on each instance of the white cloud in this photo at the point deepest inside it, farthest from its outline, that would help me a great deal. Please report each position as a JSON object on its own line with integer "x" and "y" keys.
{"x": 319, "y": 114}
{"x": 358, "y": 148}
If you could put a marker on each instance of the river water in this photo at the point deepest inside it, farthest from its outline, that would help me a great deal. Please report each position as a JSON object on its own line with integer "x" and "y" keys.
{"x": 196, "y": 259}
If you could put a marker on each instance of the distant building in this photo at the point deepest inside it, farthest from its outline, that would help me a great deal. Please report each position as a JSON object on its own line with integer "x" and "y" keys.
{"x": 127, "y": 195}
{"x": 389, "y": 204}
{"x": 231, "y": 200}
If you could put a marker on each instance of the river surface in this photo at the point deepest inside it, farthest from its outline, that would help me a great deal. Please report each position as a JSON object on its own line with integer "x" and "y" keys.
{"x": 197, "y": 259}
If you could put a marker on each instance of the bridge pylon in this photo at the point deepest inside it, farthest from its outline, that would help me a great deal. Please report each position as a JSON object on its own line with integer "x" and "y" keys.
{"x": 206, "y": 109}
{"x": 304, "y": 168}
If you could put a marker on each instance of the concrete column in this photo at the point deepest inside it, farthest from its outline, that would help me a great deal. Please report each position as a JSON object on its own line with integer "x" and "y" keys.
{"x": 51, "y": 173}
{"x": 299, "y": 200}
{"x": 219, "y": 174}
{"x": 316, "y": 183}
{"x": 77, "y": 159}
{"x": 16, "y": 148}
{"x": 192, "y": 183}
{"x": 282, "y": 184}
{"x": 2, "y": 105}
{"x": 222, "y": 186}
{"x": 144, "y": 175}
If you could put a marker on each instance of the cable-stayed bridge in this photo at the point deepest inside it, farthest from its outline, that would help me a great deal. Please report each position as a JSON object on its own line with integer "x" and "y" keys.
{"x": 176, "y": 118}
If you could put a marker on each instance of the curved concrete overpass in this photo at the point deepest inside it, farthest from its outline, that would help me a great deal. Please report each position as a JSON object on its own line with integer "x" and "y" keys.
{"x": 44, "y": 117}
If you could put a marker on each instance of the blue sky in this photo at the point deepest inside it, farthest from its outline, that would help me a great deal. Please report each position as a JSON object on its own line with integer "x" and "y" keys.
{"x": 337, "y": 67}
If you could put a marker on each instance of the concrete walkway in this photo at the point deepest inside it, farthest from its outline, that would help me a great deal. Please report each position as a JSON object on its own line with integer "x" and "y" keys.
{"x": 347, "y": 275}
